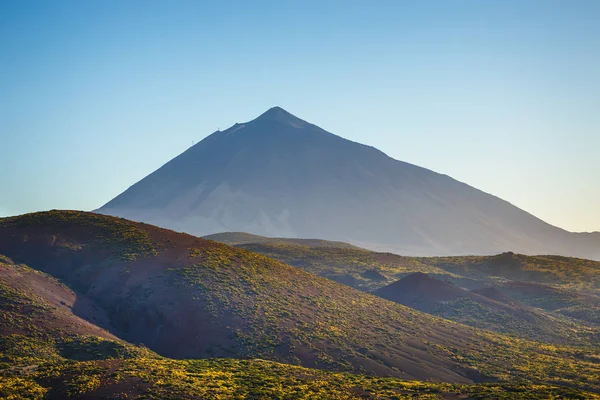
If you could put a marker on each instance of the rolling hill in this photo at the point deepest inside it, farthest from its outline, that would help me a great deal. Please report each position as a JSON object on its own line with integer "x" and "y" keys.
{"x": 486, "y": 308}
{"x": 577, "y": 278}
{"x": 281, "y": 176}
{"x": 186, "y": 297}
{"x": 576, "y": 274}
{"x": 48, "y": 352}
{"x": 562, "y": 290}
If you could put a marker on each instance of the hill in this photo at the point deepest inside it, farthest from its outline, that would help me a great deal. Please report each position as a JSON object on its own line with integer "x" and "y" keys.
{"x": 281, "y": 176}
{"x": 566, "y": 272}
{"x": 186, "y": 297}
{"x": 347, "y": 266}
{"x": 423, "y": 291}
{"x": 557, "y": 300}
{"x": 237, "y": 238}
{"x": 486, "y": 308}
{"x": 47, "y": 352}
{"x": 579, "y": 277}
{"x": 568, "y": 294}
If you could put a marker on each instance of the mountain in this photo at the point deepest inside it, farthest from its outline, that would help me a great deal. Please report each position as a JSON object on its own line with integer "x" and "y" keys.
{"x": 186, "y": 297}
{"x": 281, "y": 176}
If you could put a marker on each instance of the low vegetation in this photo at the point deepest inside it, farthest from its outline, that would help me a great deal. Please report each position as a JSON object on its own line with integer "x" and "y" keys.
{"x": 159, "y": 378}
{"x": 564, "y": 291}
{"x": 192, "y": 298}
{"x": 45, "y": 361}
{"x": 345, "y": 265}
{"x": 99, "y": 232}
{"x": 562, "y": 272}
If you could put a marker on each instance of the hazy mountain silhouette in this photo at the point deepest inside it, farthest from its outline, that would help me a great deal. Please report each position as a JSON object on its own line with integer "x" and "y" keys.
{"x": 281, "y": 176}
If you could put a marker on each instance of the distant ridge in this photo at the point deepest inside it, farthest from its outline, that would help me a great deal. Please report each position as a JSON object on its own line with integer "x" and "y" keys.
{"x": 281, "y": 176}
{"x": 239, "y": 238}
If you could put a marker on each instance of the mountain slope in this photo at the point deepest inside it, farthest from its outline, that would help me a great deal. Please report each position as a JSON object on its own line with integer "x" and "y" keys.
{"x": 183, "y": 296}
{"x": 281, "y": 176}
{"x": 34, "y": 304}
{"x": 38, "y": 325}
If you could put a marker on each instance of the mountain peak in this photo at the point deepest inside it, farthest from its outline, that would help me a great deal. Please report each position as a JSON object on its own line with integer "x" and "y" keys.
{"x": 280, "y": 115}
{"x": 280, "y": 176}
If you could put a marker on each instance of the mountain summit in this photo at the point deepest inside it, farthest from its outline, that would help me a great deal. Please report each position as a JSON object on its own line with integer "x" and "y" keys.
{"x": 278, "y": 175}
{"x": 280, "y": 115}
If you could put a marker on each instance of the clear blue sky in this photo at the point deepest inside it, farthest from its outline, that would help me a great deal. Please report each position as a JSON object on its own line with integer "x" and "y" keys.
{"x": 503, "y": 95}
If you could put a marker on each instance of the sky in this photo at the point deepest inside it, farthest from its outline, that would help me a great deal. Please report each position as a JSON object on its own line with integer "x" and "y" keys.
{"x": 502, "y": 95}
